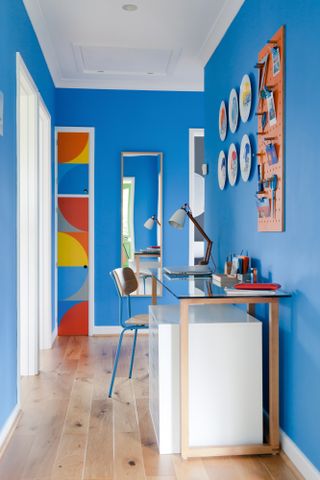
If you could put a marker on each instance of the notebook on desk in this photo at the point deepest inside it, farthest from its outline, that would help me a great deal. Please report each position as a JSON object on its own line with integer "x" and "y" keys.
{"x": 189, "y": 270}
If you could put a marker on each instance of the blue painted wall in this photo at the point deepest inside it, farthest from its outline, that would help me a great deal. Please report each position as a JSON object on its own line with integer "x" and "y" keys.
{"x": 291, "y": 258}
{"x": 16, "y": 34}
{"x": 145, "y": 171}
{"x": 132, "y": 121}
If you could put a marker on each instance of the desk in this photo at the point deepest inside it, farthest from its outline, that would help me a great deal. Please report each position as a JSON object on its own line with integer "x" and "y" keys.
{"x": 205, "y": 292}
{"x": 144, "y": 254}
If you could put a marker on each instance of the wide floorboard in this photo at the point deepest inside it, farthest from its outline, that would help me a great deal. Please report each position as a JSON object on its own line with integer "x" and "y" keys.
{"x": 71, "y": 430}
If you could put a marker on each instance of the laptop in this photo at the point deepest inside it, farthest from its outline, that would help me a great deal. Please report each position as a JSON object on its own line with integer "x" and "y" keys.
{"x": 189, "y": 270}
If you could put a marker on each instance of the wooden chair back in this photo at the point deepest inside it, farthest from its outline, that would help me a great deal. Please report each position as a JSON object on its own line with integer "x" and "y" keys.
{"x": 126, "y": 280}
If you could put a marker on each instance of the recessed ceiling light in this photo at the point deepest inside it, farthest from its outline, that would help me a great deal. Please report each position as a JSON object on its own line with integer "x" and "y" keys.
{"x": 129, "y": 7}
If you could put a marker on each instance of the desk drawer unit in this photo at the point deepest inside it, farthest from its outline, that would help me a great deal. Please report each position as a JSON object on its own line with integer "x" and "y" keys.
{"x": 225, "y": 376}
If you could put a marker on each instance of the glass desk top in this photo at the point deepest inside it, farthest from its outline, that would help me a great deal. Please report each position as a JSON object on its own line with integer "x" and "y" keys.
{"x": 191, "y": 286}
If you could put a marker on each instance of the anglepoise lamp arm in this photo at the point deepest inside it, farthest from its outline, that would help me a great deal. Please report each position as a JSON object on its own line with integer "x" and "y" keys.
{"x": 206, "y": 259}
{"x": 177, "y": 221}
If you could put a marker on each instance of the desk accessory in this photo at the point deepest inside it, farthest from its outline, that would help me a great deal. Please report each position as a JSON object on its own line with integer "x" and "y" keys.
{"x": 189, "y": 270}
{"x": 177, "y": 220}
{"x": 273, "y": 186}
{"x": 222, "y": 280}
{"x": 258, "y": 286}
{"x": 245, "y": 292}
{"x": 271, "y": 152}
{"x": 270, "y": 115}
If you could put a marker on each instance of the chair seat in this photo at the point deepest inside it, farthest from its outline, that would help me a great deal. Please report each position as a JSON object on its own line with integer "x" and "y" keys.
{"x": 142, "y": 319}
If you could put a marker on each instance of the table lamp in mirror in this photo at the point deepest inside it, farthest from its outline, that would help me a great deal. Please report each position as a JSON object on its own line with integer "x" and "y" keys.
{"x": 141, "y": 218}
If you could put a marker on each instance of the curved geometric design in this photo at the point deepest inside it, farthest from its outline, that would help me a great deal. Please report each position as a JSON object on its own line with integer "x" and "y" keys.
{"x": 63, "y": 225}
{"x": 73, "y": 318}
{"x": 72, "y": 239}
{"x": 73, "y": 178}
{"x": 82, "y": 293}
{"x": 73, "y": 147}
{"x": 72, "y": 281}
{"x": 75, "y": 211}
{"x": 71, "y": 251}
{"x": 83, "y": 239}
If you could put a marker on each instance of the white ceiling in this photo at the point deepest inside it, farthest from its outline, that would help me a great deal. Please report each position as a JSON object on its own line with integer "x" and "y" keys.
{"x": 163, "y": 45}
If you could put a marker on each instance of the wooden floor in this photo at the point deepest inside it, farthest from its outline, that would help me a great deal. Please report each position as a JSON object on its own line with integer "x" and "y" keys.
{"x": 70, "y": 430}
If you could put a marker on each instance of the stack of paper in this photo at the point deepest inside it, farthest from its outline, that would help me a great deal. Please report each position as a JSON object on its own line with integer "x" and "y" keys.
{"x": 248, "y": 293}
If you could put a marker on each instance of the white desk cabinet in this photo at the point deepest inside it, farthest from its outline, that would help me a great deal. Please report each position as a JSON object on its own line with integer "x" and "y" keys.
{"x": 225, "y": 376}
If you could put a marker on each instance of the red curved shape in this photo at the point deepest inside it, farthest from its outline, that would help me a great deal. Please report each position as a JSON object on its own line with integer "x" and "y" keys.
{"x": 75, "y": 320}
{"x": 75, "y": 211}
{"x": 70, "y": 145}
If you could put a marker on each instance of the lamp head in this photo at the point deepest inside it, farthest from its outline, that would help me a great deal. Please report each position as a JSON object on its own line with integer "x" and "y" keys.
{"x": 178, "y": 218}
{"x": 150, "y": 222}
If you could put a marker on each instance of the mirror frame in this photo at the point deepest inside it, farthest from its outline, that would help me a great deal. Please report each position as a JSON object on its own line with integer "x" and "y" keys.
{"x": 137, "y": 154}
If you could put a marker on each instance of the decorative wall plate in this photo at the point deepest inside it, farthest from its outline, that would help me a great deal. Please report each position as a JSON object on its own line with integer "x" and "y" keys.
{"x": 223, "y": 121}
{"x": 233, "y": 110}
{"x": 232, "y": 164}
{"x": 245, "y": 158}
{"x": 222, "y": 170}
{"x": 245, "y": 98}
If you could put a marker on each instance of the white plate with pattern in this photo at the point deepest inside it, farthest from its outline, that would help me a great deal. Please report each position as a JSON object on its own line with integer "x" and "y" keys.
{"x": 232, "y": 164}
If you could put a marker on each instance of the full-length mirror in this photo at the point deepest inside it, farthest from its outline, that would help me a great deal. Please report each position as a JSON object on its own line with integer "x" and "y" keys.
{"x": 141, "y": 219}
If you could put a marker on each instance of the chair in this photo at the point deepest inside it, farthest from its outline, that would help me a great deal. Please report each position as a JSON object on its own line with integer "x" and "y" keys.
{"x": 126, "y": 283}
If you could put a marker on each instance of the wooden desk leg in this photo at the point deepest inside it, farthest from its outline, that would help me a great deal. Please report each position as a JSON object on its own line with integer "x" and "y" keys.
{"x": 274, "y": 375}
{"x": 154, "y": 290}
{"x": 251, "y": 310}
{"x": 184, "y": 373}
{"x": 137, "y": 260}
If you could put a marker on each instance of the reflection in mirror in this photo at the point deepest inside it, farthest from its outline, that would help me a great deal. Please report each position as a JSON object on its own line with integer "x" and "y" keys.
{"x": 141, "y": 220}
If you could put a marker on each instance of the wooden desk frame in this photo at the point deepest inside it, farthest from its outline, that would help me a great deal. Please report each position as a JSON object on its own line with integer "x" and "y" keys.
{"x": 138, "y": 255}
{"x": 273, "y": 444}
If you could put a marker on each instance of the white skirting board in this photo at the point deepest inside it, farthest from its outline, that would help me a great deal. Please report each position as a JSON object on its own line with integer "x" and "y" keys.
{"x": 8, "y": 428}
{"x": 301, "y": 462}
{"x": 113, "y": 330}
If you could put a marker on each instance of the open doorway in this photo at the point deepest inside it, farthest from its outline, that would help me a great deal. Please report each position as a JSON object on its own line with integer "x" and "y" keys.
{"x": 196, "y": 193}
{"x": 33, "y": 222}
{"x": 128, "y": 246}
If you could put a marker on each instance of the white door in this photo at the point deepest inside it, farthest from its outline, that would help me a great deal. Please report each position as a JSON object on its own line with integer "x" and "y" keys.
{"x": 33, "y": 222}
{"x": 28, "y": 225}
{"x": 45, "y": 217}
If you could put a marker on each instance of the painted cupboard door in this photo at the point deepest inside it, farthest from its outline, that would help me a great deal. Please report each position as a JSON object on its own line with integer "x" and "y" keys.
{"x": 73, "y": 232}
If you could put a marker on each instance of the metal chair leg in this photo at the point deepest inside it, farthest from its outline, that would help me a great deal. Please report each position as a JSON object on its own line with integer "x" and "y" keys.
{"x": 115, "y": 366}
{"x": 133, "y": 352}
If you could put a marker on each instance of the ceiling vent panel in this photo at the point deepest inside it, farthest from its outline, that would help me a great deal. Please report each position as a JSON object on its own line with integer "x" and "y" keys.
{"x": 124, "y": 61}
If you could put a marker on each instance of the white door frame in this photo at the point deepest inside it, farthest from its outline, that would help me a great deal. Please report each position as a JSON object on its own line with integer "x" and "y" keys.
{"x": 33, "y": 235}
{"x": 131, "y": 213}
{"x": 91, "y": 132}
{"x": 193, "y": 132}
{"x": 45, "y": 230}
